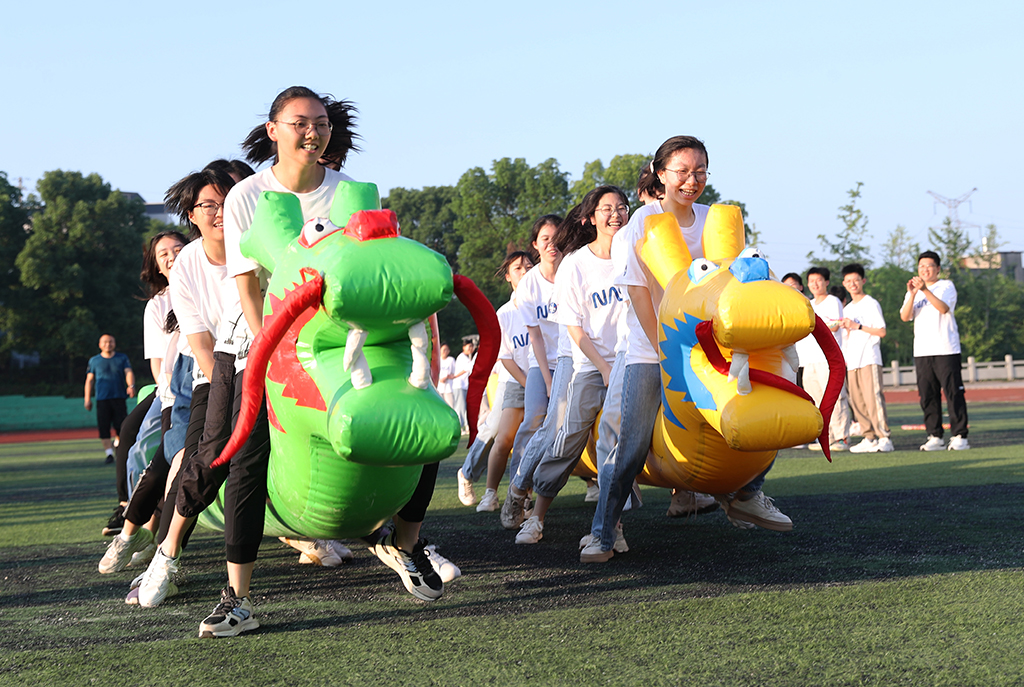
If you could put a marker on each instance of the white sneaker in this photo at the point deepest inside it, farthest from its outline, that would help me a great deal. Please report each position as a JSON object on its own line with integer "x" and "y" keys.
{"x": 232, "y": 616}
{"x": 531, "y": 531}
{"x": 884, "y": 445}
{"x": 444, "y": 568}
{"x": 593, "y": 493}
{"x": 958, "y": 443}
{"x": 120, "y": 551}
{"x": 759, "y": 510}
{"x": 620, "y": 545}
{"x": 840, "y": 445}
{"x": 489, "y": 503}
{"x": 325, "y": 552}
{"x": 142, "y": 558}
{"x": 933, "y": 444}
{"x": 814, "y": 446}
{"x": 466, "y": 495}
{"x": 688, "y": 503}
{"x": 865, "y": 446}
{"x": 156, "y": 581}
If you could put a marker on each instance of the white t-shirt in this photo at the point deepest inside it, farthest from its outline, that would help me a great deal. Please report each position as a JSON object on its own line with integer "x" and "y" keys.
{"x": 239, "y": 208}
{"x": 935, "y": 333}
{"x": 830, "y": 310}
{"x": 585, "y": 287}
{"x": 515, "y": 340}
{"x": 447, "y": 370}
{"x": 463, "y": 364}
{"x": 197, "y": 289}
{"x": 860, "y": 348}
{"x": 535, "y": 299}
{"x": 633, "y": 272}
{"x": 154, "y": 337}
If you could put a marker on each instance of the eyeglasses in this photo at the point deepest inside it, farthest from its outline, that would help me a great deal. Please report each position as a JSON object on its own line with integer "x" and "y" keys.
{"x": 700, "y": 176}
{"x": 301, "y": 126}
{"x": 208, "y": 207}
{"x": 610, "y": 210}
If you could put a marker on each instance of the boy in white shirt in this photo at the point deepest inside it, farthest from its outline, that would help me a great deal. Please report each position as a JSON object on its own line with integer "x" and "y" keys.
{"x": 930, "y": 303}
{"x": 865, "y": 327}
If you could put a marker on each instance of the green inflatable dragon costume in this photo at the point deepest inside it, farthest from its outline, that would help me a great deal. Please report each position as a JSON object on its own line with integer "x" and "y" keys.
{"x": 344, "y": 355}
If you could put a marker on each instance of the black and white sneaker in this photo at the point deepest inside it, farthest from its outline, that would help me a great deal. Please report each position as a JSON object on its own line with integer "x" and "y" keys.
{"x": 418, "y": 575}
{"x": 231, "y": 617}
{"x": 116, "y": 522}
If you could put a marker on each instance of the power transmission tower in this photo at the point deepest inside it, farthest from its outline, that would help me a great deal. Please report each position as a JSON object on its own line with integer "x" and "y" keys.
{"x": 953, "y": 205}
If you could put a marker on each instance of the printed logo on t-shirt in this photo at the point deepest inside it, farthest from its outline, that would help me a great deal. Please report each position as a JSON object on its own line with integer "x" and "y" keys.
{"x": 520, "y": 341}
{"x": 543, "y": 311}
{"x": 604, "y": 296}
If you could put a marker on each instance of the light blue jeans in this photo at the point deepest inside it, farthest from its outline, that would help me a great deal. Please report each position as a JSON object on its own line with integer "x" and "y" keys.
{"x": 641, "y": 398}
{"x": 476, "y": 459}
{"x": 540, "y": 438}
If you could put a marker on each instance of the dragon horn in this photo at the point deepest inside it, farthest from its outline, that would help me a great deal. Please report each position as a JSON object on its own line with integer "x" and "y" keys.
{"x": 254, "y": 382}
{"x": 490, "y": 336}
{"x": 723, "y": 236}
{"x": 836, "y": 376}
{"x": 662, "y": 247}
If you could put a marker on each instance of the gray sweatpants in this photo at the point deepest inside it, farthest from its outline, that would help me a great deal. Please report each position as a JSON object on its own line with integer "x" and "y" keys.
{"x": 583, "y": 402}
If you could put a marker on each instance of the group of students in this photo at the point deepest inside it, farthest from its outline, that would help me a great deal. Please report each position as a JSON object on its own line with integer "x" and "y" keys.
{"x": 859, "y": 326}
{"x": 583, "y": 322}
{"x": 204, "y": 310}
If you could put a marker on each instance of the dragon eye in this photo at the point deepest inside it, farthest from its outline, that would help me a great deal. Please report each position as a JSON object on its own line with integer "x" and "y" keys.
{"x": 701, "y": 269}
{"x": 316, "y": 229}
{"x": 753, "y": 252}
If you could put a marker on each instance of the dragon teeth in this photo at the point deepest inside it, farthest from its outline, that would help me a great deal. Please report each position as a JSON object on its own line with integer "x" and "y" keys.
{"x": 420, "y": 377}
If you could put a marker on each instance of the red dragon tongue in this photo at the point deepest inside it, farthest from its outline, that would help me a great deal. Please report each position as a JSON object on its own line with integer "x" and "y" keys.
{"x": 308, "y": 295}
{"x": 836, "y": 376}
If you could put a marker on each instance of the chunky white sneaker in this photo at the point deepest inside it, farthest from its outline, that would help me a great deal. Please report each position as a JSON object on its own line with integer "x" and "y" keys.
{"x": 120, "y": 551}
{"x": 231, "y": 617}
{"x": 466, "y": 495}
{"x": 142, "y": 558}
{"x": 620, "y": 545}
{"x": 814, "y": 446}
{"x": 531, "y": 531}
{"x": 133, "y": 591}
{"x": 689, "y": 503}
{"x": 157, "y": 579}
{"x": 489, "y": 503}
{"x": 933, "y": 444}
{"x": 593, "y": 493}
{"x": 417, "y": 573}
{"x": 759, "y": 510}
{"x": 865, "y": 446}
{"x": 840, "y": 445}
{"x": 444, "y": 568}
{"x": 513, "y": 511}
{"x": 884, "y": 445}
{"x": 958, "y": 443}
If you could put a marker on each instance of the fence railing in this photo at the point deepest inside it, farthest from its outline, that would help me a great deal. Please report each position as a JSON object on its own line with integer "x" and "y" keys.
{"x": 1005, "y": 370}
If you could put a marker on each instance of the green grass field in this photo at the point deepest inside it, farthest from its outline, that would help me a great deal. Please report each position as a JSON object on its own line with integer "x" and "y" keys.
{"x": 903, "y": 569}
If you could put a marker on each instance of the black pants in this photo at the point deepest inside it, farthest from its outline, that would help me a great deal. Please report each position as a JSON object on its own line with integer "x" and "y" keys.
{"x": 244, "y": 478}
{"x": 110, "y": 412}
{"x": 196, "y": 422}
{"x": 935, "y": 373}
{"x": 128, "y": 435}
{"x": 148, "y": 496}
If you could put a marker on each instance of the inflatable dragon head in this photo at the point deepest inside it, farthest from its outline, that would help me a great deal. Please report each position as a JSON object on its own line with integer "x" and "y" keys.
{"x": 727, "y": 329}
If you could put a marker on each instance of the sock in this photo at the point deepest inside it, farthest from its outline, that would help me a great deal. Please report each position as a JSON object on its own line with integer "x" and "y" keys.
{"x": 124, "y": 537}
{"x": 110, "y": 451}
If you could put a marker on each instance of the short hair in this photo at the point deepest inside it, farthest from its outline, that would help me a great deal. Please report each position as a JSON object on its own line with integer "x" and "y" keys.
{"x": 932, "y": 255}
{"x": 853, "y": 268}
{"x": 821, "y": 272}
{"x": 667, "y": 150}
{"x": 795, "y": 277}
{"x": 506, "y": 264}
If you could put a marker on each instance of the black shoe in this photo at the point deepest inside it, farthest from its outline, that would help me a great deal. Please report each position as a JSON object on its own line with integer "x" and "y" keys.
{"x": 116, "y": 522}
{"x": 109, "y": 459}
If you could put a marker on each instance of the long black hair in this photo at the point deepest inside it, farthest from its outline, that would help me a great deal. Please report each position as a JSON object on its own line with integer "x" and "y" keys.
{"x": 578, "y": 230}
{"x": 342, "y": 114}
{"x": 153, "y": 282}
{"x": 181, "y": 198}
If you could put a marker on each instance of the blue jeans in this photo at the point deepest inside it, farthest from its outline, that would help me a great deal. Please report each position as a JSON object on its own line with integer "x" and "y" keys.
{"x": 641, "y": 399}
{"x": 533, "y": 443}
{"x": 181, "y": 387}
{"x": 476, "y": 458}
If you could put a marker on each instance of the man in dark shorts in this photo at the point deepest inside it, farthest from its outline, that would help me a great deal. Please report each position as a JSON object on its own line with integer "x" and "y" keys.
{"x": 112, "y": 375}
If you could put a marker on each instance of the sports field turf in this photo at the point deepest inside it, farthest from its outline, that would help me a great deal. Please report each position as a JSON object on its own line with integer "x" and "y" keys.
{"x": 903, "y": 569}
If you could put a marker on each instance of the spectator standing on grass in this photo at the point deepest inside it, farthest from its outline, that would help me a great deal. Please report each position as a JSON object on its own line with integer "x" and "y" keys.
{"x": 444, "y": 380}
{"x": 111, "y": 374}
{"x": 460, "y": 381}
{"x": 865, "y": 327}
{"x": 930, "y": 303}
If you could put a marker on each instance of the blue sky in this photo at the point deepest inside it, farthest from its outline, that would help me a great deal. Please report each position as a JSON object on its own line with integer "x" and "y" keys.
{"x": 796, "y": 101}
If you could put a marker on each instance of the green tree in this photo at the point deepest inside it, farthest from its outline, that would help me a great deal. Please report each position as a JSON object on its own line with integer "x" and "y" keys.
{"x": 849, "y": 245}
{"x": 82, "y": 263}
{"x": 990, "y": 305}
{"x": 623, "y": 171}
{"x": 888, "y": 285}
{"x": 899, "y": 251}
{"x": 496, "y": 209}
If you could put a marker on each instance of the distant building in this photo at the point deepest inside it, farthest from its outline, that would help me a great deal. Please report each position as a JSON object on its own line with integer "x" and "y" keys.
{"x": 155, "y": 211}
{"x": 1007, "y": 263}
